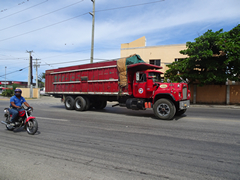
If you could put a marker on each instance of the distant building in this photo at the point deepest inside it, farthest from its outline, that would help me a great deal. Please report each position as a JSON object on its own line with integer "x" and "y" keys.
{"x": 10, "y": 83}
{"x": 158, "y": 55}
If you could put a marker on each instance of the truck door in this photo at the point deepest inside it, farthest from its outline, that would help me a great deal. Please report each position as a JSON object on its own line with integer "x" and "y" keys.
{"x": 139, "y": 85}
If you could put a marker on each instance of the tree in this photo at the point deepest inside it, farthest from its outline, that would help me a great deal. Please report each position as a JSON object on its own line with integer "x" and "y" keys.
{"x": 210, "y": 60}
{"x": 230, "y": 44}
{"x": 41, "y": 79}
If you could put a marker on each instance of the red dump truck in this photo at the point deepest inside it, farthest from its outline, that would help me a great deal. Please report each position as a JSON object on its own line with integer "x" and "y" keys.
{"x": 130, "y": 82}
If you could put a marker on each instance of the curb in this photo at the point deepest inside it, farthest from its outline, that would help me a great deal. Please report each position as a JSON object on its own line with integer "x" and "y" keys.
{"x": 215, "y": 106}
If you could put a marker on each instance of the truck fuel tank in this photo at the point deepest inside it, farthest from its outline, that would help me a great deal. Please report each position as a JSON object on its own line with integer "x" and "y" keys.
{"x": 135, "y": 104}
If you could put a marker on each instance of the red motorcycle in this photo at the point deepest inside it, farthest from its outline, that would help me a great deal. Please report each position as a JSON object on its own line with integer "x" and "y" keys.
{"x": 24, "y": 120}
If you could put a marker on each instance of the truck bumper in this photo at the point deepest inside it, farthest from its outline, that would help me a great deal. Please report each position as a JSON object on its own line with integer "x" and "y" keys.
{"x": 184, "y": 104}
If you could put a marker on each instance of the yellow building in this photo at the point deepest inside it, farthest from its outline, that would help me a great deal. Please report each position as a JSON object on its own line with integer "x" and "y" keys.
{"x": 158, "y": 55}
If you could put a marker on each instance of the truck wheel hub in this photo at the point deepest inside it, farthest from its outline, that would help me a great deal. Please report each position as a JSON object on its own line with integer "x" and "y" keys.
{"x": 163, "y": 109}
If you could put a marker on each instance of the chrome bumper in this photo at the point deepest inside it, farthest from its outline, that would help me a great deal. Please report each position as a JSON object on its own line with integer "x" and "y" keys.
{"x": 184, "y": 104}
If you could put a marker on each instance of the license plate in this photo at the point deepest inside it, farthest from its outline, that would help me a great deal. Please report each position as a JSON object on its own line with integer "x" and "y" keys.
{"x": 184, "y": 104}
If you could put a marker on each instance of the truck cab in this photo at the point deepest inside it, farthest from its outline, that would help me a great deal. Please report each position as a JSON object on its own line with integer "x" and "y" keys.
{"x": 166, "y": 99}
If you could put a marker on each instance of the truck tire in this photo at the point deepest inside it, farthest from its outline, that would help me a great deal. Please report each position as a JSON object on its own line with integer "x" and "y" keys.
{"x": 80, "y": 103}
{"x": 98, "y": 105}
{"x": 164, "y": 109}
{"x": 180, "y": 112}
{"x": 88, "y": 103}
{"x": 69, "y": 103}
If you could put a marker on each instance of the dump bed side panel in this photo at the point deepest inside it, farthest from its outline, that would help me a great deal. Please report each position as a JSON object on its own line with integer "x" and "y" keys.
{"x": 96, "y": 78}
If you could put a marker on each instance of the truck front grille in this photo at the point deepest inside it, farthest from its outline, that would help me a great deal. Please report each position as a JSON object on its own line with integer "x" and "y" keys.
{"x": 184, "y": 91}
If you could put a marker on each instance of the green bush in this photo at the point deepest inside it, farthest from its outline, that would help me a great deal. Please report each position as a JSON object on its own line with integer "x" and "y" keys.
{"x": 8, "y": 92}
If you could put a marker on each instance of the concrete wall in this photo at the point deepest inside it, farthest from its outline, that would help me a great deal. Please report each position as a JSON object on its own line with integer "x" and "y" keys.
{"x": 211, "y": 94}
{"x": 26, "y": 92}
{"x": 235, "y": 94}
{"x": 141, "y": 42}
{"x": 215, "y": 94}
{"x": 167, "y": 54}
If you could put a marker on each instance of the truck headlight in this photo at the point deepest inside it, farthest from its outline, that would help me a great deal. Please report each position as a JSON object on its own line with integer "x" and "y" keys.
{"x": 180, "y": 95}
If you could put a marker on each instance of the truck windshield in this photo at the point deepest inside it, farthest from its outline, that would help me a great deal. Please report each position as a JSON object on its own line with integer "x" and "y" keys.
{"x": 156, "y": 76}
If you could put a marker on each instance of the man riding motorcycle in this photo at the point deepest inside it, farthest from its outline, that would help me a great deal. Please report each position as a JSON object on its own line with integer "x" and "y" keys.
{"x": 16, "y": 102}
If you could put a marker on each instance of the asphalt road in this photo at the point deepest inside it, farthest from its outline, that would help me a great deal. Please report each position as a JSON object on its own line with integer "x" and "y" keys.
{"x": 116, "y": 143}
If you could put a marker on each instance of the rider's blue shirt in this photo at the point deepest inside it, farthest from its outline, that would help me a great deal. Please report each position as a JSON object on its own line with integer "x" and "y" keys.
{"x": 17, "y": 102}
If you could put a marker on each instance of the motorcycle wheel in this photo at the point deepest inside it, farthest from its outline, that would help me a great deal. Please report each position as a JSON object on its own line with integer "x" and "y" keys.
{"x": 32, "y": 126}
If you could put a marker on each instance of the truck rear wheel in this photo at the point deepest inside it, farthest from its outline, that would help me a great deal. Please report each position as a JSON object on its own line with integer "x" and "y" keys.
{"x": 69, "y": 103}
{"x": 80, "y": 103}
{"x": 100, "y": 105}
{"x": 164, "y": 109}
{"x": 88, "y": 103}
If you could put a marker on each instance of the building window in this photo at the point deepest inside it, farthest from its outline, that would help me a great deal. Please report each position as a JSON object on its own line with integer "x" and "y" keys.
{"x": 178, "y": 59}
{"x": 155, "y": 62}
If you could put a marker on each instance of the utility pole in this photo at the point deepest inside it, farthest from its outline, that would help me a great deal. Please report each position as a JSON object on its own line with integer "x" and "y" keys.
{"x": 36, "y": 65}
{"x": 93, "y": 21}
{"x": 5, "y": 78}
{"x": 30, "y": 69}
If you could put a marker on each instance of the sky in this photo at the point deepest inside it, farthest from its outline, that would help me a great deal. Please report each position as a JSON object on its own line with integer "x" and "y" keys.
{"x": 59, "y": 32}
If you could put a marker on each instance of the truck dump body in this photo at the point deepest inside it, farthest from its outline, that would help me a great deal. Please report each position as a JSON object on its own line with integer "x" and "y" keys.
{"x": 102, "y": 78}
{"x": 95, "y": 78}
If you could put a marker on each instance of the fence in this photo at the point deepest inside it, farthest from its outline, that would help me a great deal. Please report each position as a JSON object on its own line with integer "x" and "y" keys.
{"x": 215, "y": 94}
{"x": 26, "y": 92}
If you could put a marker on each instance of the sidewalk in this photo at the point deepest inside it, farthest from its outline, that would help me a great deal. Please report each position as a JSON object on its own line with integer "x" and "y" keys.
{"x": 215, "y": 106}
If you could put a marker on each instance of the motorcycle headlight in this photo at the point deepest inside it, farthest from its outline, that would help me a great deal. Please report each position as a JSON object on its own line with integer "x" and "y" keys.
{"x": 29, "y": 110}
{"x": 5, "y": 112}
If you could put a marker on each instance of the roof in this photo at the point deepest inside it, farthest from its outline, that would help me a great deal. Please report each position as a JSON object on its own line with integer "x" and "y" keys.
{"x": 143, "y": 66}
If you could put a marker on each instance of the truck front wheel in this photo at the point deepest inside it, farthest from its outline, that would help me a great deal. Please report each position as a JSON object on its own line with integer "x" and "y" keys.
{"x": 164, "y": 109}
{"x": 69, "y": 103}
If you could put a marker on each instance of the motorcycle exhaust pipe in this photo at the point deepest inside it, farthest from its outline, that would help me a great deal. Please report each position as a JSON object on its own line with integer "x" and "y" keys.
{"x": 3, "y": 122}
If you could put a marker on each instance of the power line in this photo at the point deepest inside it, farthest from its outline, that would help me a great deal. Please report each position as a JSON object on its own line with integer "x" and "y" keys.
{"x": 43, "y": 27}
{"x": 22, "y": 10}
{"x": 44, "y": 61}
{"x": 5, "y": 9}
{"x": 40, "y": 16}
{"x": 70, "y": 61}
{"x": 14, "y": 71}
{"x": 76, "y": 17}
{"x": 60, "y": 63}
{"x": 79, "y": 61}
{"x": 129, "y": 6}
{"x": 11, "y": 59}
